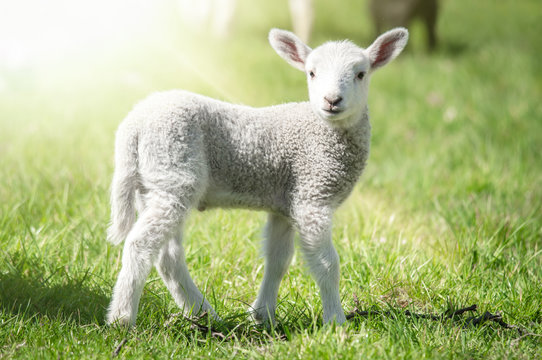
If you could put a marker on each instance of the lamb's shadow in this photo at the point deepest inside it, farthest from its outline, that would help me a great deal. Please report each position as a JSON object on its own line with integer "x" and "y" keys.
{"x": 465, "y": 318}
{"x": 31, "y": 295}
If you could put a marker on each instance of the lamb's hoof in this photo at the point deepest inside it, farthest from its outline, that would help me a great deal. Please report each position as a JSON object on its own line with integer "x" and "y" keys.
{"x": 119, "y": 321}
{"x": 260, "y": 316}
{"x": 339, "y": 318}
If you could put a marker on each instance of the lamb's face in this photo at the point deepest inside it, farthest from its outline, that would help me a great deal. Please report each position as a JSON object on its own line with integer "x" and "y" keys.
{"x": 338, "y": 72}
{"x": 338, "y": 81}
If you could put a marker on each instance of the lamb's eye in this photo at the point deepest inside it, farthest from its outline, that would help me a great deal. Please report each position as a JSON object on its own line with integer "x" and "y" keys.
{"x": 311, "y": 74}
{"x": 360, "y": 75}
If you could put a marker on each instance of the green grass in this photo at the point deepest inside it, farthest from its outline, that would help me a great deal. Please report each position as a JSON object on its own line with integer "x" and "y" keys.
{"x": 447, "y": 214}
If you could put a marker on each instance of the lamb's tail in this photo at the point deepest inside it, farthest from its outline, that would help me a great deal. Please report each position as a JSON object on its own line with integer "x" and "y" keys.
{"x": 124, "y": 185}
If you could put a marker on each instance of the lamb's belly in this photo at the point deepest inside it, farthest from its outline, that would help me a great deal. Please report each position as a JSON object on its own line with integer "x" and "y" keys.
{"x": 215, "y": 197}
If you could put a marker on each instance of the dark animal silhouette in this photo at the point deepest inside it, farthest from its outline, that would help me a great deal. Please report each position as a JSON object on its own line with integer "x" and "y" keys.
{"x": 393, "y": 13}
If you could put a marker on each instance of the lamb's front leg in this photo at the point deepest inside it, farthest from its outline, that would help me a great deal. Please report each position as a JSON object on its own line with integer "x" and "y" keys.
{"x": 278, "y": 250}
{"x": 315, "y": 229}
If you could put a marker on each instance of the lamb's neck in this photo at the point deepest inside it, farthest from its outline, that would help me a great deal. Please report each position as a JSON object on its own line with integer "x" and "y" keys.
{"x": 356, "y": 127}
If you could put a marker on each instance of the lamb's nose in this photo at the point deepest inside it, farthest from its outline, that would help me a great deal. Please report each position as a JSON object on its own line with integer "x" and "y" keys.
{"x": 333, "y": 101}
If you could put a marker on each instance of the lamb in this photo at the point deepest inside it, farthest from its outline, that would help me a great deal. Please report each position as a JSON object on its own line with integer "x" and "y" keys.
{"x": 176, "y": 151}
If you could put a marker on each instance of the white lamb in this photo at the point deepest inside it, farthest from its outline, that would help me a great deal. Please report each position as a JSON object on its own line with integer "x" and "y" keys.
{"x": 298, "y": 161}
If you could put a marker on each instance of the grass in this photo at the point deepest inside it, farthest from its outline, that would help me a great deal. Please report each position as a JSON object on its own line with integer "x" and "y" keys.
{"x": 447, "y": 214}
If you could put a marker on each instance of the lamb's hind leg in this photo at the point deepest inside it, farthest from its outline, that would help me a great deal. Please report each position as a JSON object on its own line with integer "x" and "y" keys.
{"x": 171, "y": 266}
{"x": 278, "y": 250}
{"x": 157, "y": 223}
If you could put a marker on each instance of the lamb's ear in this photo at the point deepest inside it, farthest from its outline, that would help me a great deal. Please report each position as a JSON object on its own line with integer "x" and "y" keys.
{"x": 289, "y": 47}
{"x": 387, "y": 46}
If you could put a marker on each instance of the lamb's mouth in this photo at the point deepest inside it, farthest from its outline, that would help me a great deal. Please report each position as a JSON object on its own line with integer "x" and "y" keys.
{"x": 332, "y": 111}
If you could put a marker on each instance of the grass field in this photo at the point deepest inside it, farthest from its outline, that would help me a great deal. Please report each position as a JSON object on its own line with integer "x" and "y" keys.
{"x": 447, "y": 214}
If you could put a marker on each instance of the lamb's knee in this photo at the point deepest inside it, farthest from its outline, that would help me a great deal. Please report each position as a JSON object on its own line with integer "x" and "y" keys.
{"x": 324, "y": 264}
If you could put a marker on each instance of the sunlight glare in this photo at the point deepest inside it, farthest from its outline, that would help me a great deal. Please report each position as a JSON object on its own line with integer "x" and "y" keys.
{"x": 37, "y": 30}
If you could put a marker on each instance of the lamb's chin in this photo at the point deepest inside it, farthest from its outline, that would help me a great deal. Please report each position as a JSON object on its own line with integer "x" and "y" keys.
{"x": 343, "y": 118}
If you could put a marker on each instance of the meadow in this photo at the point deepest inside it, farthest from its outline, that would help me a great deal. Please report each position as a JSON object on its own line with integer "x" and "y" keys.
{"x": 447, "y": 214}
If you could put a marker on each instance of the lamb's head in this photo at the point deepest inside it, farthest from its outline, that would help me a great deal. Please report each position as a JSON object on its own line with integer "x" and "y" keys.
{"x": 338, "y": 72}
